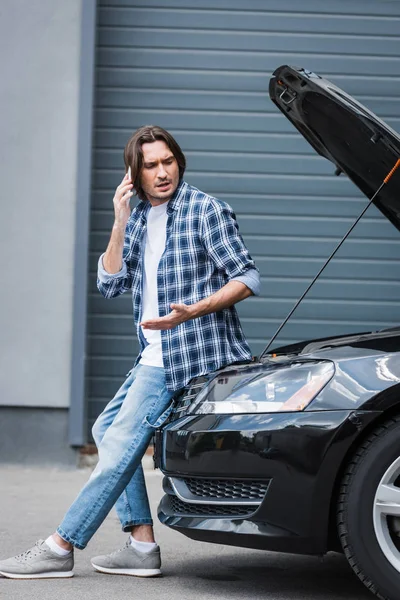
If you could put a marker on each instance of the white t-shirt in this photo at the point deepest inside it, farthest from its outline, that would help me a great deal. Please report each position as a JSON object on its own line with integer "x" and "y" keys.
{"x": 153, "y": 250}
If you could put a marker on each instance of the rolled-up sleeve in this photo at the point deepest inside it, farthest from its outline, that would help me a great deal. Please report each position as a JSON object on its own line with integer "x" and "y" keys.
{"x": 225, "y": 246}
{"x": 111, "y": 285}
{"x": 251, "y": 279}
{"x": 105, "y": 277}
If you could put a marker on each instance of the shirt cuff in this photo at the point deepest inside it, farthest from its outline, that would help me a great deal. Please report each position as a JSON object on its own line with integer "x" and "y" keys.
{"x": 105, "y": 277}
{"x": 251, "y": 278}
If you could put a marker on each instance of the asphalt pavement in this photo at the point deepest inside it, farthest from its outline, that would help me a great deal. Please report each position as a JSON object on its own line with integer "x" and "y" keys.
{"x": 33, "y": 500}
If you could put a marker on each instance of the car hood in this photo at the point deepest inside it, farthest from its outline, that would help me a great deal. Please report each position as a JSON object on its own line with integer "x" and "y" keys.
{"x": 343, "y": 131}
{"x": 388, "y": 339}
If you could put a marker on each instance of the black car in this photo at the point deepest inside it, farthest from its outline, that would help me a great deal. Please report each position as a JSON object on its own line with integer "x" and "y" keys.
{"x": 299, "y": 450}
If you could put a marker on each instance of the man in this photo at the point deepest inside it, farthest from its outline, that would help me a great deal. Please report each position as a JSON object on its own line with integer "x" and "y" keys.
{"x": 180, "y": 253}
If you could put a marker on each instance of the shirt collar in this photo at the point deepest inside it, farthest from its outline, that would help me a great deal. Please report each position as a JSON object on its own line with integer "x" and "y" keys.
{"x": 178, "y": 197}
{"x": 173, "y": 204}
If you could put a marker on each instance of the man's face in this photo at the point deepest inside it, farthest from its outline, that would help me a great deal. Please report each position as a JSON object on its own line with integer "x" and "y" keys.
{"x": 160, "y": 173}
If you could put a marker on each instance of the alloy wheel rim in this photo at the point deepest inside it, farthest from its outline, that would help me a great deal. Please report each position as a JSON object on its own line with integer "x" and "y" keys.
{"x": 387, "y": 504}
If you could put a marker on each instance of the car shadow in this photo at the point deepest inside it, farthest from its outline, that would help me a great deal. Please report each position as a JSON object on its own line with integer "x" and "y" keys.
{"x": 270, "y": 575}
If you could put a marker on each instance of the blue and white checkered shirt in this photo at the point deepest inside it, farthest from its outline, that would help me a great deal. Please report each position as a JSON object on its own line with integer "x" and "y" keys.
{"x": 203, "y": 251}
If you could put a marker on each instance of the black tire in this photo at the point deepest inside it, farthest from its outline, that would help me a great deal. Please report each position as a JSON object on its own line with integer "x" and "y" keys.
{"x": 355, "y": 510}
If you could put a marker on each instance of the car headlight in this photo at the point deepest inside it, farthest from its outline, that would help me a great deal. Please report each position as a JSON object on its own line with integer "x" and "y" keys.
{"x": 285, "y": 389}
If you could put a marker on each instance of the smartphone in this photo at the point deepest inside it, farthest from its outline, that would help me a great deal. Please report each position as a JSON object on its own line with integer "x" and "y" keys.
{"x": 129, "y": 173}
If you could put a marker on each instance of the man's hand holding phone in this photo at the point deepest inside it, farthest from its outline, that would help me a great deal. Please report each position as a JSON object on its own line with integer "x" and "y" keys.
{"x": 121, "y": 200}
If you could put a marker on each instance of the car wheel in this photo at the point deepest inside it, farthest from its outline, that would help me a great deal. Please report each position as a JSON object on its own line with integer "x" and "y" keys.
{"x": 368, "y": 513}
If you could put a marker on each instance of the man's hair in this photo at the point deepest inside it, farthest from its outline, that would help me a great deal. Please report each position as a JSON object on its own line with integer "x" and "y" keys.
{"x": 133, "y": 154}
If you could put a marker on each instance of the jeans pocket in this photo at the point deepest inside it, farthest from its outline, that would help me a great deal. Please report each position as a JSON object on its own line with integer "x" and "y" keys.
{"x": 162, "y": 418}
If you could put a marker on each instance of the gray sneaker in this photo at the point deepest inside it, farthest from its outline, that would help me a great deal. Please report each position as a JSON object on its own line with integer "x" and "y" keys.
{"x": 129, "y": 561}
{"x": 38, "y": 563}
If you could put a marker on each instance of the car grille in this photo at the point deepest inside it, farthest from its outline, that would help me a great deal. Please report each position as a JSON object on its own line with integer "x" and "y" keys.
{"x": 178, "y": 507}
{"x": 231, "y": 489}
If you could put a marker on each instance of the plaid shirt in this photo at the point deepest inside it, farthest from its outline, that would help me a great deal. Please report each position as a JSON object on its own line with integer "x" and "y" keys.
{"x": 203, "y": 251}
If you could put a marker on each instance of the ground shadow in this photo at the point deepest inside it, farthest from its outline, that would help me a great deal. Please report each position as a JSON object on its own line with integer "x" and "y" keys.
{"x": 269, "y": 575}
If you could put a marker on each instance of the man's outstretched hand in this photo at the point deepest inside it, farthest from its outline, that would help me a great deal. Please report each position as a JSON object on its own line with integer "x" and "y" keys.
{"x": 179, "y": 314}
{"x": 229, "y": 294}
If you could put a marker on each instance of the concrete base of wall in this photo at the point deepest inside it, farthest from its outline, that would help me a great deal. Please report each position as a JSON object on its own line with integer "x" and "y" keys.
{"x": 35, "y": 436}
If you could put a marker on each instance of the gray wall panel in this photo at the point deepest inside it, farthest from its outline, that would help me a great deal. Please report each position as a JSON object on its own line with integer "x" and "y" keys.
{"x": 247, "y": 20}
{"x": 201, "y": 120}
{"x": 137, "y": 77}
{"x": 262, "y": 41}
{"x": 201, "y": 70}
{"x": 367, "y": 8}
{"x": 246, "y": 61}
{"x": 215, "y": 101}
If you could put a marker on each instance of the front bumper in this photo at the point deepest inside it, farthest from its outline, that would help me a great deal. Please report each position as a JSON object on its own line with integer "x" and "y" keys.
{"x": 259, "y": 481}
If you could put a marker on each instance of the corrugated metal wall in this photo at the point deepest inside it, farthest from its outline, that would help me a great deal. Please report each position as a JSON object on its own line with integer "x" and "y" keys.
{"x": 201, "y": 69}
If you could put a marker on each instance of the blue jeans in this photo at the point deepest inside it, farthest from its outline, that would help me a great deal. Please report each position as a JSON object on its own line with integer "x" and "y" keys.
{"x": 122, "y": 433}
